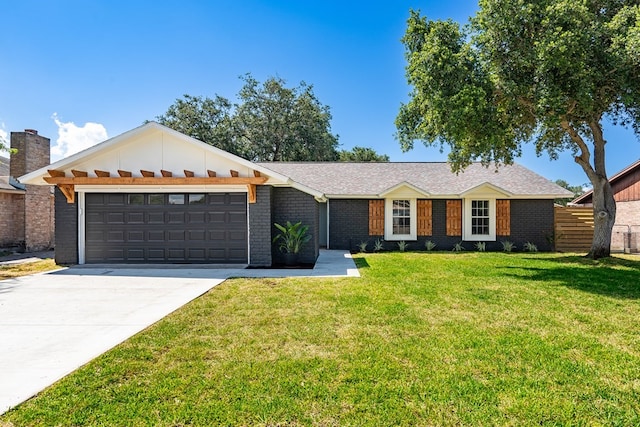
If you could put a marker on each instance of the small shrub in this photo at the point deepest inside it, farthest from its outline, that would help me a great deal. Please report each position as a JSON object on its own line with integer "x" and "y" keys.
{"x": 362, "y": 246}
{"x": 378, "y": 245}
{"x": 507, "y": 246}
{"x": 402, "y": 245}
{"x": 530, "y": 247}
{"x": 458, "y": 247}
{"x": 429, "y": 245}
{"x": 481, "y": 246}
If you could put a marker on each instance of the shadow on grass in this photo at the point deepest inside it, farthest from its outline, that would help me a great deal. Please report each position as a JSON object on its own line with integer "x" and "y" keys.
{"x": 613, "y": 277}
{"x": 361, "y": 262}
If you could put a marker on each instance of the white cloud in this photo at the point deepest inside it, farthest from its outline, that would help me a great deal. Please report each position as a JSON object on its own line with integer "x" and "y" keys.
{"x": 72, "y": 138}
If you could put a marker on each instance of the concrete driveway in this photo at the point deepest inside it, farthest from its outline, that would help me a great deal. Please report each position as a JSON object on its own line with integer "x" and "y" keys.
{"x": 53, "y": 323}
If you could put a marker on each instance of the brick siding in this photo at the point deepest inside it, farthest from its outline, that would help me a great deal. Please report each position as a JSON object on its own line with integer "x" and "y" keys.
{"x": 531, "y": 221}
{"x": 292, "y": 205}
{"x": 66, "y": 230}
{"x": 11, "y": 220}
{"x": 260, "y": 227}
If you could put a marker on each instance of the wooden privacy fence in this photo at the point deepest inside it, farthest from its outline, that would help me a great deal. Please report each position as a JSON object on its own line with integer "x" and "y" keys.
{"x": 573, "y": 229}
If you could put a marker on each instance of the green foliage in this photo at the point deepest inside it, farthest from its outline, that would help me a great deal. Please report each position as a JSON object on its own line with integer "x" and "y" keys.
{"x": 577, "y": 190}
{"x": 292, "y": 237}
{"x": 530, "y": 247}
{"x": 271, "y": 122}
{"x": 481, "y": 246}
{"x": 429, "y": 245}
{"x": 543, "y": 71}
{"x": 378, "y": 245}
{"x": 507, "y": 245}
{"x": 458, "y": 247}
{"x": 362, "y": 154}
{"x": 402, "y": 246}
{"x": 362, "y": 246}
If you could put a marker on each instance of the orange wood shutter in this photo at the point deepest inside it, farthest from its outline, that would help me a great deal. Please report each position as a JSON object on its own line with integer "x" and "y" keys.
{"x": 425, "y": 222}
{"x": 503, "y": 217}
{"x": 454, "y": 217}
{"x": 376, "y": 217}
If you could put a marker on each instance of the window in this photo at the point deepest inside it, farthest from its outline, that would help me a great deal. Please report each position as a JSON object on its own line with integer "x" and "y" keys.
{"x": 401, "y": 217}
{"x": 156, "y": 199}
{"x": 196, "y": 199}
{"x": 400, "y": 221}
{"x": 480, "y": 217}
{"x": 479, "y": 220}
{"x": 176, "y": 199}
{"x": 136, "y": 199}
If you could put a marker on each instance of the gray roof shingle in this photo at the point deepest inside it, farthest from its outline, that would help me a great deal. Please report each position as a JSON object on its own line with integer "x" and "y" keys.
{"x": 436, "y": 179}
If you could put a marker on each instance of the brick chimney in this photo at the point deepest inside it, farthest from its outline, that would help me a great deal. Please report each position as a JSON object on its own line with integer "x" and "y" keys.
{"x": 33, "y": 152}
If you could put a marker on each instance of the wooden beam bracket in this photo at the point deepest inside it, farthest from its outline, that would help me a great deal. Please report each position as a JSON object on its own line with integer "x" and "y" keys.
{"x": 69, "y": 192}
{"x": 251, "y": 188}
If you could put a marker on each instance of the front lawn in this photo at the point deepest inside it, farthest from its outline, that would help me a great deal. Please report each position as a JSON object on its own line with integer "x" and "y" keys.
{"x": 420, "y": 339}
{"x": 16, "y": 270}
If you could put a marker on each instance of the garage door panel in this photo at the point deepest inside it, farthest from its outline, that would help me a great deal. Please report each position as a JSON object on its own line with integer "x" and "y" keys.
{"x": 134, "y": 217}
{"x": 196, "y": 217}
{"x": 176, "y": 236}
{"x": 139, "y": 228}
{"x": 155, "y": 217}
{"x": 135, "y": 236}
{"x": 197, "y": 235}
{"x": 135, "y": 254}
{"x": 155, "y": 236}
{"x": 115, "y": 218}
{"x": 176, "y": 217}
{"x": 115, "y": 236}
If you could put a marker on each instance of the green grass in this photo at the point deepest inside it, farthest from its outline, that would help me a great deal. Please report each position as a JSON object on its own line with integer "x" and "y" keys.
{"x": 17, "y": 270}
{"x": 420, "y": 339}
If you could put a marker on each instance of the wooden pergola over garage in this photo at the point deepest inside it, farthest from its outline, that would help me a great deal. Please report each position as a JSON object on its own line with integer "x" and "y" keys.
{"x": 154, "y": 195}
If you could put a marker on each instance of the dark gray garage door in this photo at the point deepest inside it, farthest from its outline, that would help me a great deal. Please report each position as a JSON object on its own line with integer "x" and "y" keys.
{"x": 166, "y": 228}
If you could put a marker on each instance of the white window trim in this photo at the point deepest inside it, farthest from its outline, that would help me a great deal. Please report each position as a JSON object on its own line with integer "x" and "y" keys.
{"x": 466, "y": 223}
{"x": 388, "y": 220}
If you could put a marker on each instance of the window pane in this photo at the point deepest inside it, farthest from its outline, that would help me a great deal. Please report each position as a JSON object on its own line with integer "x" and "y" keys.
{"x": 176, "y": 199}
{"x": 480, "y": 217}
{"x": 136, "y": 199}
{"x": 401, "y": 217}
{"x": 156, "y": 199}
{"x": 196, "y": 199}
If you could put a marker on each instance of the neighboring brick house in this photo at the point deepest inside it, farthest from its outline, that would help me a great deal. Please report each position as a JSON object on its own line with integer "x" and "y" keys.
{"x": 154, "y": 195}
{"x": 626, "y": 192}
{"x": 26, "y": 211}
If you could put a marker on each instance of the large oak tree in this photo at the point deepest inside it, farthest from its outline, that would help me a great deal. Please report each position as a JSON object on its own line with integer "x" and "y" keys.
{"x": 270, "y": 122}
{"x": 545, "y": 72}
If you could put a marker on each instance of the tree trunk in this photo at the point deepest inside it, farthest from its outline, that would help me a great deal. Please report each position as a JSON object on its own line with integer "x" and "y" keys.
{"x": 604, "y": 205}
{"x": 604, "y": 216}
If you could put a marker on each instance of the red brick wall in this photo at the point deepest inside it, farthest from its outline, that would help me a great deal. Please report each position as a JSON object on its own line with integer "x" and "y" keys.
{"x": 11, "y": 219}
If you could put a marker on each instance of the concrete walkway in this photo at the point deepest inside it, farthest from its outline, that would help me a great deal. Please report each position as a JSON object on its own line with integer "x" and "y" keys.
{"x": 53, "y": 323}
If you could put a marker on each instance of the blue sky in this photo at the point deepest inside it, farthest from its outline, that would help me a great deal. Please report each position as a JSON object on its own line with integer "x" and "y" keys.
{"x": 82, "y": 71}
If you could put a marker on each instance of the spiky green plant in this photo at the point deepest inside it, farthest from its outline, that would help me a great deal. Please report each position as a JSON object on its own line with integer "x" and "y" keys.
{"x": 530, "y": 247}
{"x": 402, "y": 246}
{"x": 362, "y": 246}
{"x": 378, "y": 245}
{"x": 458, "y": 247}
{"x": 507, "y": 245}
{"x": 480, "y": 246}
{"x": 429, "y": 245}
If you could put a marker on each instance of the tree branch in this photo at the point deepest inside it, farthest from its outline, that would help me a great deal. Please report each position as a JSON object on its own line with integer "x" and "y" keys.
{"x": 584, "y": 158}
